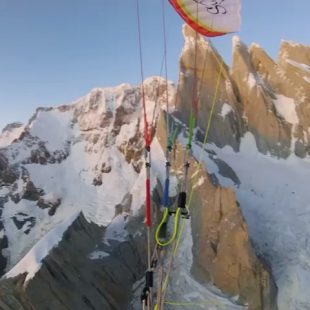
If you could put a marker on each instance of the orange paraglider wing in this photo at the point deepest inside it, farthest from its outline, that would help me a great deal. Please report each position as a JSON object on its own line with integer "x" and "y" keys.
{"x": 210, "y": 17}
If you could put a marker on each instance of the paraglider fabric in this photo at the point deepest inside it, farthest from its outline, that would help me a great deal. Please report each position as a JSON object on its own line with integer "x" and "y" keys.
{"x": 210, "y": 17}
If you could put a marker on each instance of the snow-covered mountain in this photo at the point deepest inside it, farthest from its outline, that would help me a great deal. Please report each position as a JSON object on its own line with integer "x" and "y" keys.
{"x": 63, "y": 159}
{"x": 72, "y": 190}
{"x": 10, "y": 133}
{"x": 76, "y": 166}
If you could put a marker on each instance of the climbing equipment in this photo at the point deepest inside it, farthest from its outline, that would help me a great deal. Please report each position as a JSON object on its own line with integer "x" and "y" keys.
{"x": 206, "y": 19}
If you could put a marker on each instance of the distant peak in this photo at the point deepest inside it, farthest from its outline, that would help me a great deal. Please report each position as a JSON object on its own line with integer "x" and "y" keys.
{"x": 291, "y": 43}
{"x": 190, "y": 34}
{"x": 236, "y": 41}
{"x": 255, "y": 45}
{"x": 238, "y": 45}
{"x": 154, "y": 79}
{"x": 12, "y": 126}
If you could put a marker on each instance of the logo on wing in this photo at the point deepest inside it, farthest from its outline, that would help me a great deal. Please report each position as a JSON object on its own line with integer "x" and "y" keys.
{"x": 213, "y": 6}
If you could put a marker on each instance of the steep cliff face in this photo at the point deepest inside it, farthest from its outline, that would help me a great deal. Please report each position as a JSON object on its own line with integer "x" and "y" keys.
{"x": 267, "y": 98}
{"x": 204, "y": 77}
{"x": 222, "y": 251}
{"x": 289, "y": 77}
{"x": 89, "y": 269}
{"x": 271, "y": 133}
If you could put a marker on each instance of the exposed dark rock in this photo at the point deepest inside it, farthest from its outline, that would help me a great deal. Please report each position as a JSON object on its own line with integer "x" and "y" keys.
{"x": 106, "y": 119}
{"x": 97, "y": 181}
{"x": 79, "y": 282}
{"x": 51, "y": 204}
{"x": 3, "y": 259}
{"x": 31, "y": 192}
{"x": 119, "y": 120}
{"x": 22, "y": 220}
{"x": 47, "y": 203}
{"x": 133, "y": 149}
{"x": 124, "y": 206}
{"x": 105, "y": 168}
{"x": 12, "y": 295}
{"x": 301, "y": 150}
{"x": 225, "y": 170}
{"x": 39, "y": 156}
{"x": 8, "y": 175}
{"x": 15, "y": 197}
{"x": 3, "y": 162}
{"x": 3, "y": 200}
{"x": 52, "y": 210}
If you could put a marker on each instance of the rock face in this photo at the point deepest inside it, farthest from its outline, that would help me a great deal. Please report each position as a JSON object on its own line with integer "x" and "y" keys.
{"x": 12, "y": 295}
{"x": 199, "y": 78}
{"x": 272, "y": 134}
{"x": 100, "y": 277}
{"x": 51, "y": 203}
{"x": 289, "y": 77}
{"x": 270, "y": 99}
{"x": 222, "y": 251}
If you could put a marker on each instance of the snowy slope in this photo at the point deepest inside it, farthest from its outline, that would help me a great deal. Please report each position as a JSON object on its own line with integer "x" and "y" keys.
{"x": 286, "y": 107}
{"x": 76, "y": 155}
{"x": 10, "y": 133}
{"x": 274, "y": 197}
{"x": 52, "y": 128}
{"x": 32, "y": 261}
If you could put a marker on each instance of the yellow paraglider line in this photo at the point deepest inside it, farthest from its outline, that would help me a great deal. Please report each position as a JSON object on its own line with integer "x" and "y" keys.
{"x": 178, "y": 240}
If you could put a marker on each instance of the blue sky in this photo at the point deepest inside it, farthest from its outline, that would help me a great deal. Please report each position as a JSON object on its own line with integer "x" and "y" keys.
{"x": 54, "y": 51}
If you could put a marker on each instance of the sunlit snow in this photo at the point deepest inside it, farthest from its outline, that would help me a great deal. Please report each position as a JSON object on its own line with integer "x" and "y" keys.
{"x": 286, "y": 108}
{"x": 226, "y": 109}
{"x": 274, "y": 198}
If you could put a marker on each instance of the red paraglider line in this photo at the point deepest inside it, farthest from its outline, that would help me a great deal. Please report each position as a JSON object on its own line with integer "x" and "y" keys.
{"x": 193, "y": 23}
{"x": 148, "y": 133}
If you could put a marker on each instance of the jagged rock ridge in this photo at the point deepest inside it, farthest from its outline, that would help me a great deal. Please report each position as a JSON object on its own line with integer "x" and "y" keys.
{"x": 258, "y": 95}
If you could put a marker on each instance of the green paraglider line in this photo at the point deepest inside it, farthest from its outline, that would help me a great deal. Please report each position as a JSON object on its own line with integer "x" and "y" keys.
{"x": 192, "y": 121}
{"x": 183, "y": 205}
